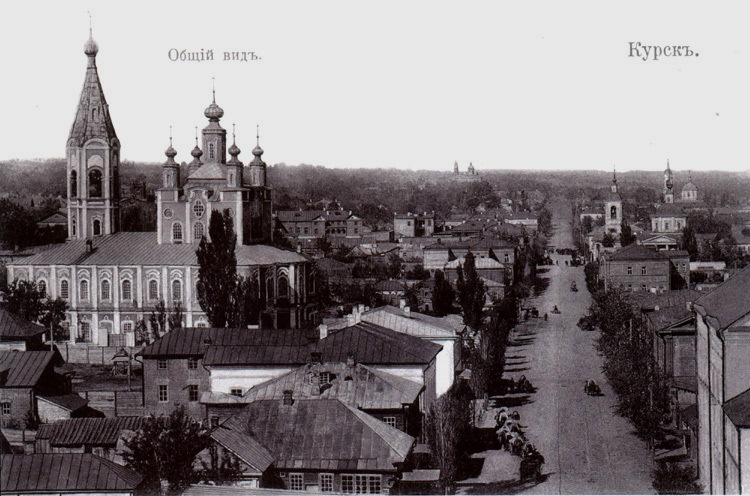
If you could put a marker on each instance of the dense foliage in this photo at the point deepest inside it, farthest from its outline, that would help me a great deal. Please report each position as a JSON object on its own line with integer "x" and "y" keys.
{"x": 472, "y": 293}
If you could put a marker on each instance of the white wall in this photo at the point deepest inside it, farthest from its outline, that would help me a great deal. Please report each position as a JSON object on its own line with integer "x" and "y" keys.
{"x": 223, "y": 379}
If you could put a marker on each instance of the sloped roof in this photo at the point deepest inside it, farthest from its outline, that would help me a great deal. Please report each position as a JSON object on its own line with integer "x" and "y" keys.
{"x": 451, "y": 321}
{"x": 389, "y": 286}
{"x": 637, "y": 252}
{"x": 728, "y": 302}
{"x": 92, "y": 431}
{"x": 232, "y": 436}
{"x": 298, "y": 215}
{"x": 323, "y": 434}
{"x": 141, "y": 248}
{"x": 86, "y": 125}
{"x": 739, "y": 237}
{"x": 5, "y": 447}
{"x": 13, "y": 326}
{"x": 408, "y": 325}
{"x": 70, "y": 402}
{"x": 479, "y": 263}
{"x": 738, "y": 409}
{"x": 669, "y": 210}
{"x": 69, "y": 472}
{"x": 210, "y": 171}
{"x": 25, "y": 368}
{"x": 356, "y": 385}
{"x": 256, "y": 355}
{"x": 56, "y": 218}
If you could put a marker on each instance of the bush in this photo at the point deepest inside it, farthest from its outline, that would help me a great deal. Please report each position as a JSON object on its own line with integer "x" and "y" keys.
{"x": 673, "y": 478}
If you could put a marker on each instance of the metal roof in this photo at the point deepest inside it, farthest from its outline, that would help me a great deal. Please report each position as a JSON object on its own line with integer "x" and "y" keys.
{"x": 256, "y": 355}
{"x": 69, "y": 472}
{"x": 142, "y": 248}
{"x": 637, "y": 252}
{"x": 25, "y": 368}
{"x": 323, "y": 435}
{"x": 13, "y": 326}
{"x": 244, "y": 446}
{"x": 738, "y": 409}
{"x": 91, "y": 431}
{"x": 728, "y": 302}
{"x": 407, "y": 325}
{"x": 70, "y": 402}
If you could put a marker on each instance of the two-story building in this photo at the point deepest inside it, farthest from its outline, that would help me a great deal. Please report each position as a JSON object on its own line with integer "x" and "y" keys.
{"x": 640, "y": 268}
{"x": 411, "y": 225}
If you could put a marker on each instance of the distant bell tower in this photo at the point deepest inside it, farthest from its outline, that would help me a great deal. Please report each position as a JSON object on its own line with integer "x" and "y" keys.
{"x": 93, "y": 160}
{"x": 214, "y": 136}
{"x": 668, "y": 185}
{"x": 455, "y": 167}
{"x": 613, "y": 208}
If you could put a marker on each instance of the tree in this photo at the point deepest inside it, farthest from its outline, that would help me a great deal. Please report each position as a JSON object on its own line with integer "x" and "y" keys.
{"x": 24, "y": 299}
{"x": 626, "y": 234}
{"x": 471, "y": 292}
{"x": 545, "y": 222}
{"x": 587, "y": 224}
{"x": 394, "y": 266}
{"x": 689, "y": 242}
{"x": 442, "y": 295}
{"x": 164, "y": 450}
{"x": 54, "y": 314}
{"x": 217, "y": 272}
{"x": 222, "y": 466}
{"x": 174, "y": 320}
{"x": 141, "y": 333}
{"x": 17, "y": 226}
{"x": 158, "y": 320}
{"x": 608, "y": 240}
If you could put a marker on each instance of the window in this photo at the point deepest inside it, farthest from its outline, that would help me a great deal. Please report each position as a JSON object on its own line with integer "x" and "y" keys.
{"x": 361, "y": 484}
{"x": 283, "y": 287}
{"x": 127, "y": 290}
{"x": 177, "y": 232}
{"x": 163, "y": 393}
{"x": 95, "y": 183}
{"x": 643, "y": 287}
{"x": 106, "y": 290}
{"x": 507, "y": 258}
{"x": 630, "y": 270}
{"x": 161, "y": 364}
{"x": 679, "y": 225}
{"x": 324, "y": 378}
{"x": 84, "y": 290}
{"x": 214, "y": 419}
{"x": 86, "y": 331}
{"x": 211, "y": 151}
{"x": 198, "y": 209}
{"x": 198, "y": 231}
{"x": 192, "y": 363}
{"x": 5, "y": 408}
{"x": 127, "y": 326}
{"x": 347, "y": 484}
{"x": 42, "y": 287}
{"x": 613, "y": 212}
{"x": 326, "y": 483}
{"x": 269, "y": 289}
{"x": 153, "y": 290}
{"x": 236, "y": 392}
{"x": 176, "y": 290}
{"x": 73, "y": 226}
{"x": 193, "y": 392}
{"x": 390, "y": 421}
{"x": 297, "y": 482}
{"x": 643, "y": 270}
{"x": 202, "y": 324}
{"x": 97, "y": 227}
{"x": 666, "y": 226}
{"x": 73, "y": 184}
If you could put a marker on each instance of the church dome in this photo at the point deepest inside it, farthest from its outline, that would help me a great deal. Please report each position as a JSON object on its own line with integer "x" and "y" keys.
{"x": 690, "y": 187}
{"x": 258, "y": 151}
{"x": 213, "y": 111}
{"x": 234, "y": 150}
{"x": 91, "y": 48}
{"x": 197, "y": 152}
{"x": 170, "y": 152}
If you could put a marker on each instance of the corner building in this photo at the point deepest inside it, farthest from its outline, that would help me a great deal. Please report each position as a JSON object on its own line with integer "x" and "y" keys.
{"x": 112, "y": 279}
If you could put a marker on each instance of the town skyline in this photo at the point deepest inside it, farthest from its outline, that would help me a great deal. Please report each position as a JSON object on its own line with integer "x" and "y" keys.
{"x": 481, "y": 85}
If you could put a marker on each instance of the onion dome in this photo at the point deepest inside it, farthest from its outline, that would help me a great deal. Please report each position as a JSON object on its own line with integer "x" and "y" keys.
{"x": 257, "y": 151}
{"x": 234, "y": 150}
{"x": 171, "y": 153}
{"x": 91, "y": 48}
{"x": 214, "y": 112}
{"x": 197, "y": 152}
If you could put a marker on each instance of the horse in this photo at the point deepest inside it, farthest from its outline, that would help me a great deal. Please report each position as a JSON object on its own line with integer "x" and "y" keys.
{"x": 515, "y": 415}
{"x": 592, "y": 388}
{"x": 516, "y": 443}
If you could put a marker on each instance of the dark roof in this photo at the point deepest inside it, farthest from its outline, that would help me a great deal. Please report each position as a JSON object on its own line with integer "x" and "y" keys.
{"x": 5, "y": 447}
{"x": 356, "y": 385}
{"x": 93, "y": 431}
{"x": 676, "y": 253}
{"x": 738, "y": 409}
{"x": 141, "y": 248}
{"x": 393, "y": 318}
{"x": 13, "y": 326}
{"x": 637, "y": 252}
{"x": 244, "y": 445}
{"x": 451, "y": 321}
{"x": 194, "y": 341}
{"x": 56, "y": 218}
{"x": 323, "y": 435}
{"x": 25, "y": 368}
{"x": 389, "y": 286}
{"x": 69, "y": 472}
{"x": 375, "y": 345}
{"x": 256, "y": 355}
{"x": 728, "y": 302}
{"x": 670, "y": 210}
{"x": 70, "y": 402}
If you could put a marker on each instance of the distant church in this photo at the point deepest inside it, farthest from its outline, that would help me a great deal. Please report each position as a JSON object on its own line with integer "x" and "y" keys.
{"x": 470, "y": 175}
{"x": 671, "y": 214}
{"x": 112, "y": 279}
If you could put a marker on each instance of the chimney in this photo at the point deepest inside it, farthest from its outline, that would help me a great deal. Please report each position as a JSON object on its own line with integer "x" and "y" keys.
{"x": 357, "y": 316}
{"x": 299, "y": 247}
{"x": 361, "y": 308}
{"x": 350, "y": 361}
{"x": 89, "y": 246}
{"x": 350, "y": 320}
{"x": 407, "y": 311}
{"x": 402, "y": 303}
{"x": 288, "y": 398}
{"x": 323, "y": 331}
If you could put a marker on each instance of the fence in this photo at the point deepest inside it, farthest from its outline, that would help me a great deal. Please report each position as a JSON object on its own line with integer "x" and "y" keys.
{"x": 116, "y": 403}
{"x": 91, "y": 354}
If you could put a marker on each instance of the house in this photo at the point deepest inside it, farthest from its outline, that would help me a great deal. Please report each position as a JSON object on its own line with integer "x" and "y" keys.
{"x": 64, "y": 406}
{"x": 488, "y": 268}
{"x": 669, "y": 218}
{"x": 325, "y": 445}
{"x": 411, "y": 225}
{"x": 385, "y": 396}
{"x": 24, "y": 376}
{"x": 66, "y": 473}
{"x": 335, "y": 271}
{"x": 331, "y": 224}
{"x": 528, "y": 220}
{"x": 741, "y": 235}
{"x": 437, "y": 255}
{"x": 100, "y": 436}
{"x": 19, "y": 334}
{"x": 660, "y": 241}
{"x": 723, "y": 373}
{"x": 391, "y": 291}
{"x": 639, "y": 268}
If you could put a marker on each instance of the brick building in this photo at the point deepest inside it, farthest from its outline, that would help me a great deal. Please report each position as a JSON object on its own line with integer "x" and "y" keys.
{"x": 640, "y": 268}
{"x": 331, "y": 224}
{"x": 411, "y": 225}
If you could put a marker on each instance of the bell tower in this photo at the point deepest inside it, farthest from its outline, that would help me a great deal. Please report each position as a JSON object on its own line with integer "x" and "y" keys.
{"x": 93, "y": 160}
{"x": 668, "y": 191}
{"x": 613, "y": 208}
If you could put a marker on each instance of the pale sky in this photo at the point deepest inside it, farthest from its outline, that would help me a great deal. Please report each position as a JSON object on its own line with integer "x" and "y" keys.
{"x": 412, "y": 85}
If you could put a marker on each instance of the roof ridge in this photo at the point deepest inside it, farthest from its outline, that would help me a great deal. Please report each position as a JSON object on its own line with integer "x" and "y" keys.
{"x": 368, "y": 420}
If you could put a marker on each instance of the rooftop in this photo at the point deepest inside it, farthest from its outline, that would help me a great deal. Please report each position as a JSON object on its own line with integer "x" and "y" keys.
{"x": 738, "y": 409}
{"x": 25, "y": 368}
{"x": 394, "y": 318}
{"x": 91, "y": 431}
{"x": 13, "y": 326}
{"x": 727, "y": 304}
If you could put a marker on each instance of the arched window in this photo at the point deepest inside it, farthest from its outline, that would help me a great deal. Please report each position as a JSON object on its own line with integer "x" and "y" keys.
{"x": 84, "y": 290}
{"x": 64, "y": 289}
{"x": 97, "y": 227}
{"x": 153, "y": 290}
{"x": 73, "y": 227}
{"x": 613, "y": 212}
{"x": 269, "y": 289}
{"x": 106, "y": 290}
{"x": 95, "y": 183}
{"x": 42, "y": 287}
{"x": 211, "y": 151}
{"x": 127, "y": 290}
{"x": 283, "y": 286}
{"x": 177, "y": 232}
{"x": 198, "y": 231}
{"x": 176, "y": 290}
{"x": 198, "y": 209}
{"x": 73, "y": 184}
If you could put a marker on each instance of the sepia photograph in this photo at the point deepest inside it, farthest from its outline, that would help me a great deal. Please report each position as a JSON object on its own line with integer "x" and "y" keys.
{"x": 335, "y": 247}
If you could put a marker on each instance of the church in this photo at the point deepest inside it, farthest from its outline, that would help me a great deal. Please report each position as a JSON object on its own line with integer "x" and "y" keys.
{"x": 112, "y": 279}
